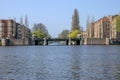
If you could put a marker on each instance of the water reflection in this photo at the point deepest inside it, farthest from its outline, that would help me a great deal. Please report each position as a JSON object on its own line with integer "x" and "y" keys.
{"x": 117, "y": 72}
{"x": 75, "y": 63}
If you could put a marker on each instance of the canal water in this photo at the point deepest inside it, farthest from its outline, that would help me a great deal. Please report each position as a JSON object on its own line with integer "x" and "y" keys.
{"x": 60, "y": 63}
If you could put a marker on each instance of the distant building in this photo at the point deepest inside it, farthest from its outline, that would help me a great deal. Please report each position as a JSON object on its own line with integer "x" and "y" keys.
{"x": 7, "y": 29}
{"x": 104, "y": 28}
{"x": 10, "y": 29}
{"x": 25, "y": 31}
{"x": 84, "y": 34}
{"x": 114, "y": 33}
{"x": 19, "y": 32}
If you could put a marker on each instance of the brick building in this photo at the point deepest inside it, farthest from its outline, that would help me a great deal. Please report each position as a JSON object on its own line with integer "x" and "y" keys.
{"x": 11, "y": 29}
{"x": 104, "y": 28}
{"x": 90, "y": 32}
{"x": 7, "y": 29}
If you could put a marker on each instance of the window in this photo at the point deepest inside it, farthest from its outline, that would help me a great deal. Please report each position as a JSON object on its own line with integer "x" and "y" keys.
{"x": 1, "y": 24}
{"x": 10, "y": 24}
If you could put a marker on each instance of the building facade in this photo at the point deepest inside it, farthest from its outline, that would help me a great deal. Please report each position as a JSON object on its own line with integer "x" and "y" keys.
{"x": 115, "y": 34}
{"x": 7, "y": 29}
{"x": 11, "y": 29}
{"x": 104, "y": 28}
{"x": 90, "y": 31}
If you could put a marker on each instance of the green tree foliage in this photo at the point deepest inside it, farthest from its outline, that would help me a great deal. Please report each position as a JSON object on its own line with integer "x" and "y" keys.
{"x": 39, "y": 34}
{"x": 118, "y": 23}
{"x": 40, "y": 31}
{"x": 63, "y": 34}
{"x": 41, "y": 27}
{"x": 75, "y": 20}
{"x": 74, "y": 34}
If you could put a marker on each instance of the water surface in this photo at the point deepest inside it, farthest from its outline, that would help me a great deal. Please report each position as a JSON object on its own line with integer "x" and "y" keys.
{"x": 60, "y": 63}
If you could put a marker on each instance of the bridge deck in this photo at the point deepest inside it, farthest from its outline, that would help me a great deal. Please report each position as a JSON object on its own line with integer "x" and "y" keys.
{"x": 56, "y": 39}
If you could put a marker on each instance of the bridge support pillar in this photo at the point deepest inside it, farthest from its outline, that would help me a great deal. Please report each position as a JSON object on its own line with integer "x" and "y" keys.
{"x": 69, "y": 41}
{"x": 3, "y": 40}
{"x": 45, "y": 41}
{"x": 81, "y": 41}
{"x": 107, "y": 41}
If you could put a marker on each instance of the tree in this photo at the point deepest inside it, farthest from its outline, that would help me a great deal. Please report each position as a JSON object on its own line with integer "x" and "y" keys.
{"x": 74, "y": 34}
{"x": 75, "y": 20}
{"x": 23, "y": 28}
{"x": 41, "y": 27}
{"x": 21, "y": 21}
{"x": 64, "y": 34}
{"x": 93, "y": 19}
{"x": 88, "y": 25}
{"x": 118, "y": 23}
{"x": 39, "y": 34}
{"x": 26, "y": 21}
{"x": 40, "y": 30}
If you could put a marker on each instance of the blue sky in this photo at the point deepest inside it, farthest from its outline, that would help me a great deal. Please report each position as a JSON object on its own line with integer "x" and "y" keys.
{"x": 57, "y": 14}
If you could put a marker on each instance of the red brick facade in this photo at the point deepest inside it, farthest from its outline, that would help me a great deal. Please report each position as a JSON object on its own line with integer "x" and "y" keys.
{"x": 104, "y": 28}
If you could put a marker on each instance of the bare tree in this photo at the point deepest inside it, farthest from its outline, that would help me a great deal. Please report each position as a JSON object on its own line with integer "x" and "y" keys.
{"x": 26, "y": 21}
{"x": 22, "y": 27}
{"x": 88, "y": 23}
{"x": 93, "y": 19}
{"x": 21, "y": 20}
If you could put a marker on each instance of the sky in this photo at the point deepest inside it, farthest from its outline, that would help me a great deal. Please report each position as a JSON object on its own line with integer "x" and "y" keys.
{"x": 56, "y": 15}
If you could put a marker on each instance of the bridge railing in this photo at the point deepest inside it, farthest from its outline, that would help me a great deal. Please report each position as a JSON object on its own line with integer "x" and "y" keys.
{"x": 68, "y": 41}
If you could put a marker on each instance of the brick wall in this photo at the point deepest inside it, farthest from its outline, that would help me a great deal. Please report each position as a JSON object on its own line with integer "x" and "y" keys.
{"x": 18, "y": 42}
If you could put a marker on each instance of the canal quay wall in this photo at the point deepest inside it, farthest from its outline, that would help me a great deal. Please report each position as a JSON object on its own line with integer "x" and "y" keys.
{"x": 96, "y": 41}
{"x": 14, "y": 42}
{"x": 18, "y": 42}
{"x": 83, "y": 41}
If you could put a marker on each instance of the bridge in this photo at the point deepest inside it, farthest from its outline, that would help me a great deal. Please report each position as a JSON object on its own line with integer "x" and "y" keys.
{"x": 68, "y": 41}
